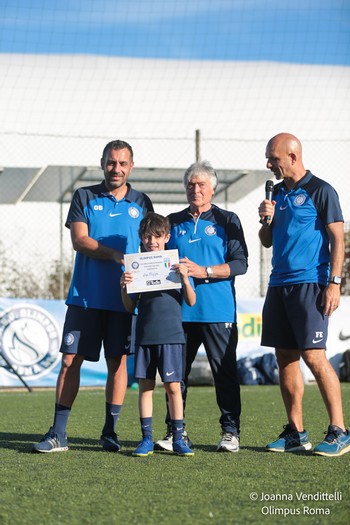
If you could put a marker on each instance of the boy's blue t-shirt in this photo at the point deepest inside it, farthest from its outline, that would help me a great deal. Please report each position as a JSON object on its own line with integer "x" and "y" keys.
{"x": 159, "y": 319}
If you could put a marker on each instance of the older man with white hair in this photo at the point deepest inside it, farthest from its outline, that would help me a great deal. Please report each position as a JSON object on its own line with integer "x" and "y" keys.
{"x": 211, "y": 244}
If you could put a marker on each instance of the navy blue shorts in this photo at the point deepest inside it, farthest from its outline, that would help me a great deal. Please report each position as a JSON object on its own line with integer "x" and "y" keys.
{"x": 87, "y": 329}
{"x": 166, "y": 358}
{"x": 292, "y": 317}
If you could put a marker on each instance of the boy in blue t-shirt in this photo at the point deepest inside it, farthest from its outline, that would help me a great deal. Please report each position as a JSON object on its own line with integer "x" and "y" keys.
{"x": 159, "y": 339}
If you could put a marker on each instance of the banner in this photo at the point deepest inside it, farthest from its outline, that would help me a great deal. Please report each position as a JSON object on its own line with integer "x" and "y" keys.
{"x": 30, "y": 338}
{"x": 249, "y": 329}
{"x": 31, "y": 331}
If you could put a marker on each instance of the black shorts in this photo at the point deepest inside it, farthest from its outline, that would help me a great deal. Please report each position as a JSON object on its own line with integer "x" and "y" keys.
{"x": 292, "y": 317}
{"x": 87, "y": 329}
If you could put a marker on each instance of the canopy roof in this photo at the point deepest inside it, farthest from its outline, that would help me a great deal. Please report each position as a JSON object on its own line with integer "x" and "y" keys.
{"x": 164, "y": 186}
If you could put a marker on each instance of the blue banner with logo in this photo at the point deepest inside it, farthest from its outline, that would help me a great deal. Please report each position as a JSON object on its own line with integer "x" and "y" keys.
{"x": 30, "y": 338}
{"x": 31, "y": 331}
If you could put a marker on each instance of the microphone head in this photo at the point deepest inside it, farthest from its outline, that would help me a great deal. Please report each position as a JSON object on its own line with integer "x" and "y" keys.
{"x": 269, "y": 186}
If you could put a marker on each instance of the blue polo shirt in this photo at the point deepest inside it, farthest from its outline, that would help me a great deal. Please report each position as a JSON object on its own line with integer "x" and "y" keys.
{"x": 96, "y": 282}
{"x": 215, "y": 237}
{"x": 299, "y": 237}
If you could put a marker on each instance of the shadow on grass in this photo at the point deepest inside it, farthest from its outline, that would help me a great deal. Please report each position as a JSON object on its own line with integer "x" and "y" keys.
{"x": 23, "y": 443}
{"x": 263, "y": 449}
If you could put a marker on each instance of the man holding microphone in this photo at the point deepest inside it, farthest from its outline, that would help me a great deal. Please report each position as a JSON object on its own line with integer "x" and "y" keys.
{"x": 303, "y": 223}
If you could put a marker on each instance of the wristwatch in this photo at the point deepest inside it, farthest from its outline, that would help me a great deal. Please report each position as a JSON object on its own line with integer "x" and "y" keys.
{"x": 209, "y": 271}
{"x": 335, "y": 279}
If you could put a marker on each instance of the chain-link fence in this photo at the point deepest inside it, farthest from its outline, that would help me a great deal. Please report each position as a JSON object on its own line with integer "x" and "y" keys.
{"x": 36, "y": 255}
{"x": 265, "y": 265}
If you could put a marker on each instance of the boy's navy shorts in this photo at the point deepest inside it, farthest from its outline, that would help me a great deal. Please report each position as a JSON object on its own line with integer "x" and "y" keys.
{"x": 167, "y": 358}
{"x": 292, "y": 317}
{"x": 87, "y": 329}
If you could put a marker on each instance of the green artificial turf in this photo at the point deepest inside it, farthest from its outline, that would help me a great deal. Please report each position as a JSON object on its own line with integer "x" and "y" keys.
{"x": 88, "y": 486}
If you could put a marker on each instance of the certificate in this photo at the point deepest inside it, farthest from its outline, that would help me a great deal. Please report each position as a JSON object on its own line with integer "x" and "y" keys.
{"x": 152, "y": 271}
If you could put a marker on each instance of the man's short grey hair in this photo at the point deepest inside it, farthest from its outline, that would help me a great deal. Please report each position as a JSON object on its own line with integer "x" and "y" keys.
{"x": 202, "y": 167}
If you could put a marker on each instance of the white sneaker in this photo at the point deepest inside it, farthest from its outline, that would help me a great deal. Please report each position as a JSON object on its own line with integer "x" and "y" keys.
{"x": 229, "y": 442}
{"x": 167, "y": 442}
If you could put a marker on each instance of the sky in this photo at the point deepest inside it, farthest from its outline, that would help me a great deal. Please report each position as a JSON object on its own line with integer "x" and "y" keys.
{"x": 301, "y": 31}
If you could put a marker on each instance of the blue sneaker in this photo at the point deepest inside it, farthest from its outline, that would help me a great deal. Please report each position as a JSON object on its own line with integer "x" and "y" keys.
{"x": 336, "y": 442}
{"x": 181, "y": 449}
{"x": 110, "y": 442}
{"x": 145, "y": 448}
{"x": 290, "y": 440}
{"x": 51, "y": 442}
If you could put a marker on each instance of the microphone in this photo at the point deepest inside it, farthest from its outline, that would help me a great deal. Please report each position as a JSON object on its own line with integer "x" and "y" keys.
{"x": 268, "y": 196}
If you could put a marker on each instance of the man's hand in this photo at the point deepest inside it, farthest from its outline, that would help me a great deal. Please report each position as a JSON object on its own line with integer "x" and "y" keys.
{"x": 330, "y": 299}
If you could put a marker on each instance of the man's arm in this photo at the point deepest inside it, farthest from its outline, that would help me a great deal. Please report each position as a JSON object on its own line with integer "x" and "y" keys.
{"x": 331, "y": 294}
{"x": 265, "y": 236}
{"x": 266, "y": 209}
{"x": 90, "y": 247}
{"x": 220, "y": 271}
{"x": 236, "y": 255}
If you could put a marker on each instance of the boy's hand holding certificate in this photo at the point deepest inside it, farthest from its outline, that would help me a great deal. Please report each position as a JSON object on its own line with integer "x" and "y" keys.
{"x": 152, "y": 271}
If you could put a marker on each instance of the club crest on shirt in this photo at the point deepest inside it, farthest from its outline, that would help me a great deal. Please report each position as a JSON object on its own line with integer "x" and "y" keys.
{"x": 299, "y": 200}
{"x": 210, "y": 230}
{"x": 133, "y": 212}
